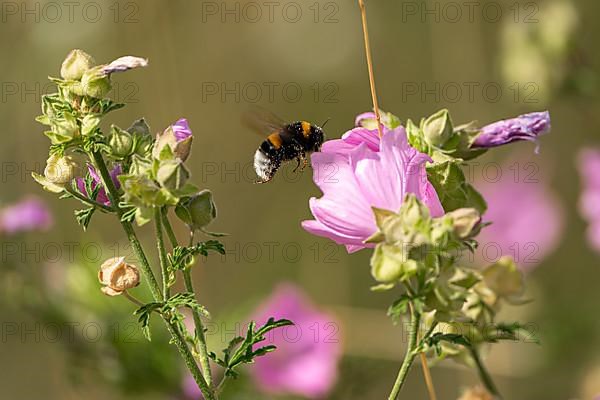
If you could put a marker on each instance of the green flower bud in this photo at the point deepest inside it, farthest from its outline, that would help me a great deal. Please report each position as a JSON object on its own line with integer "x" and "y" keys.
{"x": 413, "y": 212}
{"x": 172, "y": 174}
{"x": 175, "y": 141}
{"x": 60, "y": 170}
{"x": 197, "y": 211}
{"x": 504, "y": 279}
{"x": 95, "y": 82}
{"x": 89, "y": 124}
{"x": 75, "y": 65}
{"x": 121, "y": 142}
{"x": 389, "y": 264}
{"x": 438, "y": 128}
{"x": 63, "y": 129}
{"x": 466, "y": 222}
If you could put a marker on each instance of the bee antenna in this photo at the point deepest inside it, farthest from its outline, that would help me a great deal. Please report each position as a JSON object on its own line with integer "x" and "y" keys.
{"x": 326, "y": 121}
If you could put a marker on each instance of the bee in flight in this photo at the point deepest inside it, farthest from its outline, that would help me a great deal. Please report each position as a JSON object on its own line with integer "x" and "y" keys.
{"x": 286, "y": 142}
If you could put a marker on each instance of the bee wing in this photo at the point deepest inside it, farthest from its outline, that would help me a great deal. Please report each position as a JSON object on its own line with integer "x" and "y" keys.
{"x": 261, "y": 121}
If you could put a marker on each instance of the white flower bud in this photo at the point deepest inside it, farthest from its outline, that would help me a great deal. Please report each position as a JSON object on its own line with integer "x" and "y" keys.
{"x": 60, "y": 170}
{"x": 75, "y": 65}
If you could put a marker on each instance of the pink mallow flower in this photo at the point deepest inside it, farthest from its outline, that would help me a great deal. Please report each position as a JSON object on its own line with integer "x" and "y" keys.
{"x": 30, "y": 214}
{"x": 360, "y": 171}
{"x": 526, "y": 218}
{"x": 306, "y": 360}
{"x": 102, "y": 197}
{"x": 588, "y": 164}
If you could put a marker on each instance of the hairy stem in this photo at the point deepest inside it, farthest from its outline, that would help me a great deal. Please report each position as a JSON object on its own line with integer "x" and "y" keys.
{"x": 185, "y": 352}
{"x": 189, "y": 286}
{"x": 363, "y": 13}
{"x": 162, "y": 252}
{"x": 485, "y": 376}
{"x": 415, "y": 319}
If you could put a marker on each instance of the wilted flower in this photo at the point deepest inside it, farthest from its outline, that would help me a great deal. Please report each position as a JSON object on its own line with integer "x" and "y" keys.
{"x": 524, "y": 127}
{"x": 95, "y": 82}
{"x": 589, "y": 202}
{"x": 528, "y": 231}
{"x": 476, "y": 393}
{"x": 26, "y": 215}
{"x": 308, "y": 352}
{"x": 117, "y": 276}
{"x": 359, "y": 172}
{"x": 76, "y": 64}
{"x": 177, "y": 137}
{"x": 96, "y": 180}
{"x": 125, "y": 63}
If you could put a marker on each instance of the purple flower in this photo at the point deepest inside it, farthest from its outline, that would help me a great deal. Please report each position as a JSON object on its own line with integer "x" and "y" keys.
{"x": 589, "y": 202}
{"x": 527, "y": 219}
{"x": 181, "y": 129}
{"x": 306, "y": 360}
{"x": 524, "y": 127}
{"x": 359, "y": 172}
{"x": 102, "y": 197}
{"x": 27, "y": 215}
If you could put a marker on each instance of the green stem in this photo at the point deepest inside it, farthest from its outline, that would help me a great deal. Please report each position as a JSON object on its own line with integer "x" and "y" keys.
{"x": 113, "y": 196}
{"x": 486, "y": 378}
{"x": 189, "y": 286}
{"x": 415, "y": 319}
{"x": 88, "y": 201}
{"x": 185, "y": 352}
{"x": 162, "y": 252}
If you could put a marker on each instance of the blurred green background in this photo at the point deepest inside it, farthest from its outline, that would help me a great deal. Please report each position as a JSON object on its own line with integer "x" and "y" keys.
{"x": 211, "y": 68}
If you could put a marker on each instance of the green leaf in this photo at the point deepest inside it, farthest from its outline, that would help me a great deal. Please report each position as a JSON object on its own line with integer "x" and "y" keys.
{"x": 144, "y": 313}
{"x": 452, "y": 188}
{"x": 84, "y": 216}
{"x": 241, "y": 349}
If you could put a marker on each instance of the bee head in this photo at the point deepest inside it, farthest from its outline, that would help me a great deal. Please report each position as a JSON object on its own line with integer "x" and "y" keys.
{"x": 317, "y": 137}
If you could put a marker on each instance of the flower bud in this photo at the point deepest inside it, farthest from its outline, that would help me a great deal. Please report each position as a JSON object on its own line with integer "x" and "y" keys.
{"x": 172, "y": 174}
{"x": 504, "y": 278}
{"x": 60, "y": 170}
{"x": 176, "y": 141}
{"x": 95, "y": 83}
{"x": 121, "y": 142}
{"x": 524, "y": 127}
{"x": 197, "y": 211}
{"x": 63, "y": 129}
{"x": 117, "y": 276}
{"x": 389, "y": 264}
{"x": 75, "y": 65}
{"x": 413, "y": 211}
{"x": 438, "y": 128}
{"x": 465, "y": 221}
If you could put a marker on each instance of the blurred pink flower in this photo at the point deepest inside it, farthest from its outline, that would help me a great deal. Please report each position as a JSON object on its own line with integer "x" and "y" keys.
{"x": 526, "y": 216}
{"x": 27, "y": 215}
{"x": 358, "y": 172}
{"x": 589, "y": 202}
{"x": 306, "y": 360}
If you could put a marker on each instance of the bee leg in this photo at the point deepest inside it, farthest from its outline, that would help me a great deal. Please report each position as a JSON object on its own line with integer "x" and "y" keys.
{"x": 264, "y": 181}
{"x": 304, "y": 164}
{"x": 301, "y": 160}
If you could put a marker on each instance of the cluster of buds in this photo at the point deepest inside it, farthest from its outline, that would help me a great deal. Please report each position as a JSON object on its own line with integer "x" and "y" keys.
{"x": 117, "y": 276}
{"x": 407, "y": 239}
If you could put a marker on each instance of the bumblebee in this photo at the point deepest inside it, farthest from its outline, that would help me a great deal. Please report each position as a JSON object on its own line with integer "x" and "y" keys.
{"x": 286, "y": 142}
